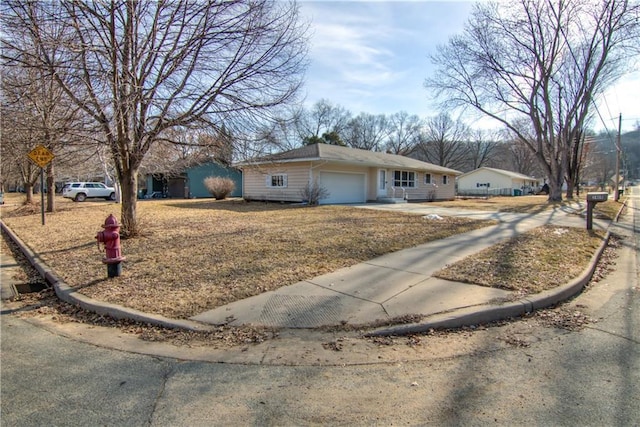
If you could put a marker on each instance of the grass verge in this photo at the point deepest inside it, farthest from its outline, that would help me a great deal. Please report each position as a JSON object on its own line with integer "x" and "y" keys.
{"x": 195, "y": 255}
{"x": 530, "y": 263}
{"x": 532, "y": 205}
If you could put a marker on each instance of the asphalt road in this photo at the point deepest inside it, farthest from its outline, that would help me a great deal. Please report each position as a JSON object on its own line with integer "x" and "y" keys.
{"x": 524, "y": 373}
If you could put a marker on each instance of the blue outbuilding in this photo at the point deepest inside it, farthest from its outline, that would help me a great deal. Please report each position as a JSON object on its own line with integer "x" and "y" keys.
{"x": 190, "y": 183}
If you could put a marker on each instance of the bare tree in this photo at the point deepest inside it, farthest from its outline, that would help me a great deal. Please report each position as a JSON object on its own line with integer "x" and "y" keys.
{"x": 523, "y": 160}
{"x": 483, "y": 147}
{"x": 280, "y": 135}
{"x": 367, "y": 131}
{"x": 324, "y": 118}
{"x": 38, "y": 112}
{"x": 35, "y": 112}
{"x": 598, "y": 165}
{"x": 17, "y": 140}
{"x": 444, "y": 142}
{"x": 147, "y": 67}
{"x": 404, "y": 133}
{"x": 539, "y": 61}
{"x": 185, "y": 148}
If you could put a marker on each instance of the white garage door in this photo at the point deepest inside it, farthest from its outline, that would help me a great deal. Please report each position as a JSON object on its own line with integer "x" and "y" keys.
{"x": 343, "y": 187}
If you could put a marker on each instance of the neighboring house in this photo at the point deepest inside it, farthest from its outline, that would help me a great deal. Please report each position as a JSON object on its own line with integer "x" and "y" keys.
{"x": 190, "y": 183}
{"x": 490, "y": 181}
{"x": 349, "y": 175}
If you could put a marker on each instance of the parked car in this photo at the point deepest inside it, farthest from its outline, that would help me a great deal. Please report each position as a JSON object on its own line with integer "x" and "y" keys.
{"x": 156, "y": 195}
{"x": 80, "y": 191}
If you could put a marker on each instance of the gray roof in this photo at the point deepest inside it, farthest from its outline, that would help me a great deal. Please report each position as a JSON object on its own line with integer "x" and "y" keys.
{"x": 510, "y": 174}
{"x": 350, "y": 156}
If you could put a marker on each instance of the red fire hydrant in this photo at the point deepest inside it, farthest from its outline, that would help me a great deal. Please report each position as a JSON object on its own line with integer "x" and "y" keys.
{"x": 111, "y": 239}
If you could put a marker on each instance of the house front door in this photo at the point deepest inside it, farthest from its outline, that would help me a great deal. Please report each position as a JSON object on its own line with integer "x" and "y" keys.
{"x": 382, "y": 183}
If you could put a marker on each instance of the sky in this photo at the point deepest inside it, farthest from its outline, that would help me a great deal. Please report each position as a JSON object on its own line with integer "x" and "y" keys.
{"x": 373, "y": 57}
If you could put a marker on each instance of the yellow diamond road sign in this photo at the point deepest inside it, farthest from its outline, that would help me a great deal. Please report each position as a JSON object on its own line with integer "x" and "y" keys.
{"x": 41, "y": 156}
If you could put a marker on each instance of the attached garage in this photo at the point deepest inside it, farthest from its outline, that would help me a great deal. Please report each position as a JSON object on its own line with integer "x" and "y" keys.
{"x": 343, "y": 187}
{"x": 349, "y": 175}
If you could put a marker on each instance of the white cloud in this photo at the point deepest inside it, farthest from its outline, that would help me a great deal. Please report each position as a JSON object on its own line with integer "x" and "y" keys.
{"x": 372, "y": 56}
{"x": 349, "y": 48}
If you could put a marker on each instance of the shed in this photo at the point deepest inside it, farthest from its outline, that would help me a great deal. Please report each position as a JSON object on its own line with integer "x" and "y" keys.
{"x": 190, "y": 183}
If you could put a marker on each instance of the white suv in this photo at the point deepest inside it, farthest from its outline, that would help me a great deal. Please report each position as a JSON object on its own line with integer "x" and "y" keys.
{"x": 80, "y": 191}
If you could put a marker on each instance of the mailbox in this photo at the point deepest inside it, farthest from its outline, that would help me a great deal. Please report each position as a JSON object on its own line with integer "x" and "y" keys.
{"x": 592, "y": 199}
{"x": 597, "y": 197}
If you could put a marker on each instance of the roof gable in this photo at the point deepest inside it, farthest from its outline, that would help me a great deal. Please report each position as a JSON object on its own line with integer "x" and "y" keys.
{"x": 351, "y": 156}
{"x": 510, "y": 174}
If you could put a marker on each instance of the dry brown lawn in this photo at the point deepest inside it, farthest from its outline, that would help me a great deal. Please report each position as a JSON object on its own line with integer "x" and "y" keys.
{"x": 537, "y": 260}
{"x": 527, "y": 204}
{"x": 195, "y": 255}
{"x": 533, "y": 262}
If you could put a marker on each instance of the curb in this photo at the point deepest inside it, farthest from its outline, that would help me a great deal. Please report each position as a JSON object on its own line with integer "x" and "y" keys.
{"x": 495, "y": 312}
{"x": 450, "y": 320}
{"x": 72, "y": 296}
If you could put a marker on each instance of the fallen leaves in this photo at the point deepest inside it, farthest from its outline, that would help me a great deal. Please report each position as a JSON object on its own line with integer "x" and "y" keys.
{"x": 564, "y": 318}
{"x": 335, "y": 345}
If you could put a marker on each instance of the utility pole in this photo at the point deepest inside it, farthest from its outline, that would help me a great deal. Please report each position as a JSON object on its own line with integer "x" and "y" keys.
{"x": 616, "y": 194}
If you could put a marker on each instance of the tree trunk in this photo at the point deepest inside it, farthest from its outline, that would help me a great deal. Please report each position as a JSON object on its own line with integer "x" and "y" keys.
{"x": 575, "y": 146}
{"x": 570, "y": 188}
{"x": 51, "y": 189}
{"x": 129, "y": 187}
{"x": 556, "y": 178}
{"x": 28, "y": 191}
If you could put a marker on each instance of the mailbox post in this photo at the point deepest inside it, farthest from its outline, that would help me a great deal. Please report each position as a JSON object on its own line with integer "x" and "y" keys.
{"x": 592, "y": 200}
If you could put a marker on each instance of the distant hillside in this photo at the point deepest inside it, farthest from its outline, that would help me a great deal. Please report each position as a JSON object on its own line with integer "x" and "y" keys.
{"x": 630, "y": 142}
{"x": 632, "y": 137}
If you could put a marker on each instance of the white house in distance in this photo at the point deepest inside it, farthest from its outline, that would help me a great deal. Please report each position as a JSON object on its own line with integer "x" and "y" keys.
{"x": 495, "y": 182}
{"x": 349, "y": 175}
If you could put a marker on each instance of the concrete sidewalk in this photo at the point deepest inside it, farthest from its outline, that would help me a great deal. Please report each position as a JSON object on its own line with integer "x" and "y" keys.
{"x": 382, "y": 291}
{"x": 398, "y": 285}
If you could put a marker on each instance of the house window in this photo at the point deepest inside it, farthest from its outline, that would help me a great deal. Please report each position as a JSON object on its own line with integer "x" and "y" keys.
{"x": 404, "y": 179}
{"x": 279, "y": 180}
{"x": 427, "y": 178}
{"x": 445, "y": 179}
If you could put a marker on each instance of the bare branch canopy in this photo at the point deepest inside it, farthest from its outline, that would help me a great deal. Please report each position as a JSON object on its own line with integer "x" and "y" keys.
{"x": 141, "y": 68}
{"x": 536, "y": 67}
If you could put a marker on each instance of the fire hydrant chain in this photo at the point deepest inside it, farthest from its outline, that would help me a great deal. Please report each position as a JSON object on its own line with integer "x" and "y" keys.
{"x": 111, "y": 239}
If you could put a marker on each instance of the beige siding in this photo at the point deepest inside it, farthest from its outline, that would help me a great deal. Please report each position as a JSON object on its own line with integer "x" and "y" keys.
{"x": 338, "y": 168}
{"x": 470, "y": 182}
{"x": 254, "y": 182}
{"x": 372, "y": 184}
{"x": 422, "y": 191}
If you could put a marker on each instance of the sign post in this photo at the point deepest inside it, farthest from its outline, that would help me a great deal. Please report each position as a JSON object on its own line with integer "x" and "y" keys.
{"x": 41, "y": 156}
